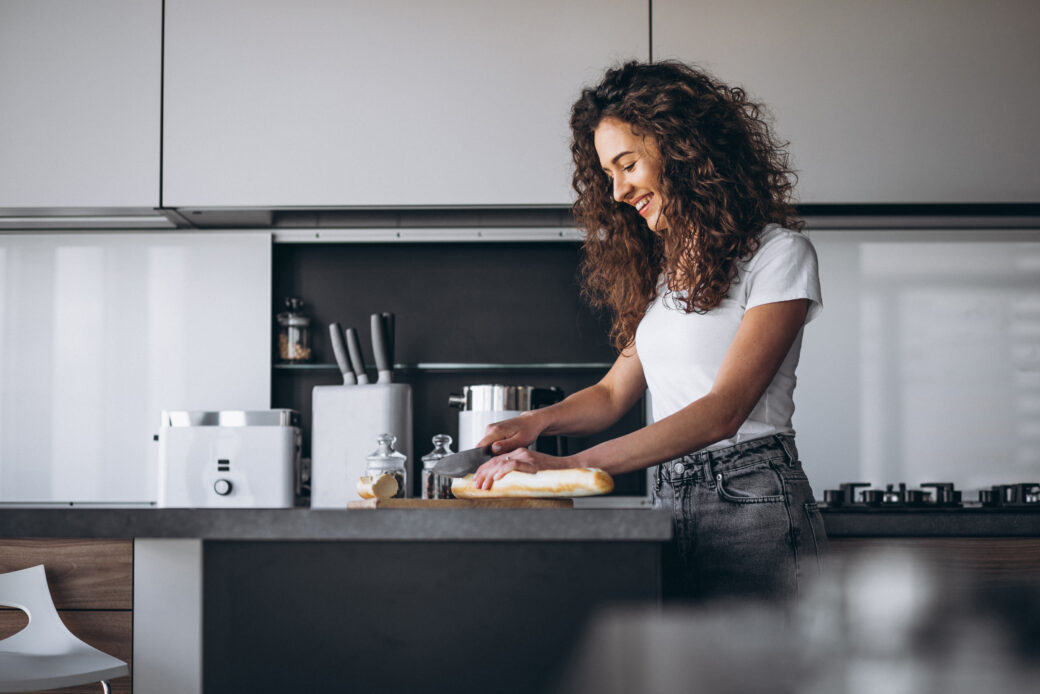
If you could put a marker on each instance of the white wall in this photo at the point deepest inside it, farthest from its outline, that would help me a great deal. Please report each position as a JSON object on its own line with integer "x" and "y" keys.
{"x": 924, "y": 365}
{"x": 100, "y": 332}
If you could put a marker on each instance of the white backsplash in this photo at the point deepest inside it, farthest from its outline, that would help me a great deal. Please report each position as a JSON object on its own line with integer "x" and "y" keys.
{"x": 100, "y": 332}
{"x": 924, "y": 365}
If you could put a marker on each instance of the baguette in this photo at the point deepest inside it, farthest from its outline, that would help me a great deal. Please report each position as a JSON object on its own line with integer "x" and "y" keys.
{"x": 569, "y": 482}
{"x": 381, "y": 487}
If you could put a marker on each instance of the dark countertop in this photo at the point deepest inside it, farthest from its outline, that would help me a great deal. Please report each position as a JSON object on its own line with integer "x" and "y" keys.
{"x": 565, "y": 525}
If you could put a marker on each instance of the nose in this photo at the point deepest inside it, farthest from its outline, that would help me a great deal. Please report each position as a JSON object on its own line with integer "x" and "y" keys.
{"x": 621, "y": 188}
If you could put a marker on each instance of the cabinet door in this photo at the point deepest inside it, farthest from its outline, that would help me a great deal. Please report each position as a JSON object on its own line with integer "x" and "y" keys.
{"x": 401, "y": 102}
{"x": 79, "y": 97}
{"x": 891, "y": 101}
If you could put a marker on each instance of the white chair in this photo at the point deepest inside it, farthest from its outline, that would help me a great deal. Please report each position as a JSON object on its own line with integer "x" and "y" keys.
{"x": 45, "y": 655}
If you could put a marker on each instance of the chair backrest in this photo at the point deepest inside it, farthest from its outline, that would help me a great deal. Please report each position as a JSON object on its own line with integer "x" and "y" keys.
{"x": 27, "y": 590}
{"x": 46, "y": 655}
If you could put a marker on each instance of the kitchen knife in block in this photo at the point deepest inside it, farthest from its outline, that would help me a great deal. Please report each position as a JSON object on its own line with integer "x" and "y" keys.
{"x": 345, "y": 423}
{"x": 388, "y": 330}
{"x": 356, "y": 356}
{"x": 342, "y": 358}
{"x": 379, "y": 347}
{"x": 463, "y": 463}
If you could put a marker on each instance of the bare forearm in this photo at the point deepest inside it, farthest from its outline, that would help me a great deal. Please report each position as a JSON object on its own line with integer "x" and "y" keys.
{"x": 700, "y": 424}
{"x": 588, "y": 411}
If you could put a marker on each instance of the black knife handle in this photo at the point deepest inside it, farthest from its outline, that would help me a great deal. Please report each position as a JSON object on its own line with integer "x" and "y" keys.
{"x": 388, "y": 331}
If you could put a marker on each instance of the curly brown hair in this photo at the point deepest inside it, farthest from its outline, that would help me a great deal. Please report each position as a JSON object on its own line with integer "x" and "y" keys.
{"x": 724, "y": 177}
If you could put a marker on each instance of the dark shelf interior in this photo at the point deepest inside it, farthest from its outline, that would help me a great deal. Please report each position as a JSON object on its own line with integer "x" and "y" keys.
{"x": 482, "y": 303}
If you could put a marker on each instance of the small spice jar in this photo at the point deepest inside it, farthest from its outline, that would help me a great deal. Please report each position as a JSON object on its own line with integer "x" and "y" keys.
{"x": 436, "y": 486}
{"x": 387, "y": 461}
{"x": 294, "y": 333}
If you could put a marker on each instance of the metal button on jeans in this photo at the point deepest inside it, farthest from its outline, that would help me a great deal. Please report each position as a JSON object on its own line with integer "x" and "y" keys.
{"x": 678, "y": 468}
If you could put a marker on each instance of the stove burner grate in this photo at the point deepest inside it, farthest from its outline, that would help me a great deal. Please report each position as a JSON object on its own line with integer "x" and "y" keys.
{"x": 931, "y": 495}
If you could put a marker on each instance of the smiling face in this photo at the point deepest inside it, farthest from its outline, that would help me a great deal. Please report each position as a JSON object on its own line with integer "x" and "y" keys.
{"x": 633, "y": 165}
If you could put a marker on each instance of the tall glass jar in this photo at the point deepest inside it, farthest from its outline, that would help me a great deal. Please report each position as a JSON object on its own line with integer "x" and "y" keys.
{"x": 436, "y": 486}
{"x": 385, "y": 460}
{"x": 294, "y": 333}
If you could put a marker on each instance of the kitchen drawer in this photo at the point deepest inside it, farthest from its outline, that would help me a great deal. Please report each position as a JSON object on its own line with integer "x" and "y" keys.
{"x": 984, "y": 561}
{"x": 82, "y": 574}
{"x": 91, "y": 582}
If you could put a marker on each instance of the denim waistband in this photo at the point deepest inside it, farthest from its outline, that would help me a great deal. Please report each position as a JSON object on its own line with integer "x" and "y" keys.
{"x": 705, "y": 464}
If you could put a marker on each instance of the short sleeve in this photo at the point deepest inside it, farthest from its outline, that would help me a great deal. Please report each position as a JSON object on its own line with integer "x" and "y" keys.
{"x": 784, "y": 268}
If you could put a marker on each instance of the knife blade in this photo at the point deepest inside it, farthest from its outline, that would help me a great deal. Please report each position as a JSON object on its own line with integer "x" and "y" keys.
{"x": 463, "y": 463}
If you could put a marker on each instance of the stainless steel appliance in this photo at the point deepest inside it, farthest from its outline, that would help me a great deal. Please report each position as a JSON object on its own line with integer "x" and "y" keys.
{"x": 236, "y": 458}
{"x": 481, "y": 405}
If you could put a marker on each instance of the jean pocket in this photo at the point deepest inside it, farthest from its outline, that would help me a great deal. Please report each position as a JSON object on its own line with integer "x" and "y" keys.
{"x": 816, "y": 528}
{"x": 753, "y": 484}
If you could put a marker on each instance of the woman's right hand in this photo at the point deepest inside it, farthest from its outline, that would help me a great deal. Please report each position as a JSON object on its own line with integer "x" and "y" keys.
{"x": 509, "y": 434}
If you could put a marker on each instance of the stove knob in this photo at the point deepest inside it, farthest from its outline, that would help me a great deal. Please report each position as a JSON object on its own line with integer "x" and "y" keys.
{"x": 989, "y": 497}
{"x": 916, "y": 497}
{"x": 222, "y": 487}
{"x": 945, "y": 493}
{"x": 873, "y": 497}
{"x": 1031, "y": 494}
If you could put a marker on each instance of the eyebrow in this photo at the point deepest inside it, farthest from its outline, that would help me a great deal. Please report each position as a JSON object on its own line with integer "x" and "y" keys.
{"x": 618, "y": 156}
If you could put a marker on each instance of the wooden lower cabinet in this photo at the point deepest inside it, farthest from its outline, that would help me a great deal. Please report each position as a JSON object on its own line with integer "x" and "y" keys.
{"x": 91, "y": 582}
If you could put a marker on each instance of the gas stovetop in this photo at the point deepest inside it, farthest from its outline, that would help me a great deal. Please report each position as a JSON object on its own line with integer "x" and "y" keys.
{"x": 931, "y": 496}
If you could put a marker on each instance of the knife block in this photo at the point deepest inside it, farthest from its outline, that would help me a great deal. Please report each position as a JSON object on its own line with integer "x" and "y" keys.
{"x": 345, "y": 423}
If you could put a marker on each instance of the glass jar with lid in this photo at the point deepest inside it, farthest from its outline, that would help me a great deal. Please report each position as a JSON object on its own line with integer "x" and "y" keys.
{"x": 385, "y": 460}
{"x": 436, "y": 486}
{"x": 294, "y": 333}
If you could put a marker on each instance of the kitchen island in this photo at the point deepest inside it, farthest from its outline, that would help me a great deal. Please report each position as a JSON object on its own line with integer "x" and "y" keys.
{"x": 365, "y": 600}
{"x": 404, "y": 600}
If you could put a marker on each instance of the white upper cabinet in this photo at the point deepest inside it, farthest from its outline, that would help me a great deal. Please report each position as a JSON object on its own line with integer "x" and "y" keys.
{"x": 80, "y": 103}
{"x": 392, "y": 103}
{"x": 887, "y": 101}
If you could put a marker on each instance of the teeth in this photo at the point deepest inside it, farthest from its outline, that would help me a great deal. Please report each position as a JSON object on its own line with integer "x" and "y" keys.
{"x": 642, "y": 203}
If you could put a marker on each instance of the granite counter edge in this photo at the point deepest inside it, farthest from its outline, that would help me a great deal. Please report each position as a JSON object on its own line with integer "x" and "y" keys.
{"x": 506, "y": 525}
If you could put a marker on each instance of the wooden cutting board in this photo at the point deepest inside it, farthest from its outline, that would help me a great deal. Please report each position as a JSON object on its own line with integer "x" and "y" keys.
{"x": 460, "y": 503}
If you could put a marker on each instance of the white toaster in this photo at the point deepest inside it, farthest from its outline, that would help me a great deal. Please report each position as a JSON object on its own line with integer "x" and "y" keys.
{"x": 228, "y": 459}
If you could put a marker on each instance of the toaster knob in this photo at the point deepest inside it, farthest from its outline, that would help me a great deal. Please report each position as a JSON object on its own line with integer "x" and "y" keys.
{"x": 222, "y": 487}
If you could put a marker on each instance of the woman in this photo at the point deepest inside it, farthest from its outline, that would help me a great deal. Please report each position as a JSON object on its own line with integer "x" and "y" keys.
{"x": 692, "y": 244}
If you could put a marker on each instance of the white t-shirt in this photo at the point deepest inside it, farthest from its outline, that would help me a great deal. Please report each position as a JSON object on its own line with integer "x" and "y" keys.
{"x": 681, "y": 352}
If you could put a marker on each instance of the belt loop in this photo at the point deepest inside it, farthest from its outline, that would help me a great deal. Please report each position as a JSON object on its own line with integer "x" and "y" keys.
{"x": 709, "y": 468}
{"x": 787, "y": 446}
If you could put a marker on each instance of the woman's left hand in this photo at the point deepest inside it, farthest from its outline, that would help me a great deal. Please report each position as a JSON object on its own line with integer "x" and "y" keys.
{"x": 522, "y": 459}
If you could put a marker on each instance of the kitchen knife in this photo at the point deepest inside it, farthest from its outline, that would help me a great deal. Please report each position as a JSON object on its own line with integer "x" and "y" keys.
{"x": 342, "y": 358}
{"x": 464, "y": 462}
{"x": 379, "y": 347}
{"x": 356, "y": 358}
{"x": 388, "y": 330}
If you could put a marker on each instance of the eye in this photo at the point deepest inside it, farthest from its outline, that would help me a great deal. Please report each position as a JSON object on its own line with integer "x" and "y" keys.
{"x": 629, "y": 167}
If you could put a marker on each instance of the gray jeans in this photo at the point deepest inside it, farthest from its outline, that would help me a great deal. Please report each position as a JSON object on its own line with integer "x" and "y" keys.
{"x": 745, "y": 519}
